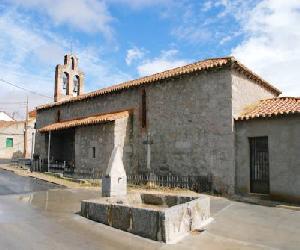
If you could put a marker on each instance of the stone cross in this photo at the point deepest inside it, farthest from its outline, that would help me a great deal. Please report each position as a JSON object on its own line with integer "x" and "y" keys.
{"x": 114, "y": 183}
{"x": 148, "y": 142}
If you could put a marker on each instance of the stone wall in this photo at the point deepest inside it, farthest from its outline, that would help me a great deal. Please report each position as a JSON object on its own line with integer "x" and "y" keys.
{"x": 101, "y": 137}
{"x": 245, "y": 93}
{"x": 284, "y": 161}
{"x": 189, "y": 118}
{"x": 190, "y": 122}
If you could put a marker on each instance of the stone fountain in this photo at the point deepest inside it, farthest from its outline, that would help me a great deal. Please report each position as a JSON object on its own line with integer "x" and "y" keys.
{"x": 169, "y": 217}
{"x": 114, "y": 183}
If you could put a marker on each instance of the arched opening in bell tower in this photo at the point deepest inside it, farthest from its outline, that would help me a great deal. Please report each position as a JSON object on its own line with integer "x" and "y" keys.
{"x": 73, "y": 63}
{"x": 65, "y": 83}
{"x": 75, "y": 85}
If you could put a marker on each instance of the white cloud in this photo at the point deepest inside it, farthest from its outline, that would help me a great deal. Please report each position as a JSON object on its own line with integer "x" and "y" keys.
{"x": 272, "y": 44}
{"x": 192, "y": 33}
{"x": 19, "y": 45}
{"x": 84, "y": 15}
{"x": 138, "y": 4}
{"x": 134, "y": 54}
{"x": 207, "y": 5}
{"x": 165, "y": 61}
{"x": 102, "y": 73}
{"x": 28, "y": 58}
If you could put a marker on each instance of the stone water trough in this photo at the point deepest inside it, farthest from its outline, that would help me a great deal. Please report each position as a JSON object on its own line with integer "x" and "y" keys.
{"x": 166, "y": 218}
{"x": 160, "y": 217}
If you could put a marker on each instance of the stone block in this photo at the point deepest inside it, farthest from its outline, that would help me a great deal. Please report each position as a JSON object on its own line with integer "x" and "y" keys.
{"x": 120, "y": 217}
{"x": 153, "y": 199}
{"x": 96, "y": 211}
{"x": 161, "y": 223}
{"x": 146, "y": 223}
{"x": 114, "y": 186}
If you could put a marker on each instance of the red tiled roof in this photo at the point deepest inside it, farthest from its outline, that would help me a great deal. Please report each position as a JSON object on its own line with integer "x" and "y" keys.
{"x": 84, "y": 121}
{"x": 179, "y": 71}
{"x": 272, "y": 107}
{"x": 5, "y": 124}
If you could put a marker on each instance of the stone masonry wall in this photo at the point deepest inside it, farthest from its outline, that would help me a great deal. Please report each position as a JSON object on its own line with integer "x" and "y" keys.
{"x": 284, "y": 161}
{"x": 101, "y": 137}
{"x": 245, "y": 93}
{"x": 190, "y": 123}
{"x": 189, "y": 118}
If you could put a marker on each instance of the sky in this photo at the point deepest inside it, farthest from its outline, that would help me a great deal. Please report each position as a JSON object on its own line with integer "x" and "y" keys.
{"x": 119, "y": 40}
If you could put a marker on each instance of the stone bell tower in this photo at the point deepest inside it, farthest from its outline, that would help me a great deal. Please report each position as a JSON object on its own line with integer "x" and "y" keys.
{"x": 69, "y": 80}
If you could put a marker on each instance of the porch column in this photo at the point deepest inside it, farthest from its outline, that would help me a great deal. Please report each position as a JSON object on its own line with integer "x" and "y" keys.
{"x": 49, "y": 143}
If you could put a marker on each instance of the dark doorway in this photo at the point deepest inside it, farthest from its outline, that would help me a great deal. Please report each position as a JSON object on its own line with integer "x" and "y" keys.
{"x": 62, "y": 148}
{"x": 259, "y": 165}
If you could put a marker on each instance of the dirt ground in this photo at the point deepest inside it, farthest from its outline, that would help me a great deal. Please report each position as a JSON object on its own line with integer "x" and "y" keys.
{"x": 86, "y": 184}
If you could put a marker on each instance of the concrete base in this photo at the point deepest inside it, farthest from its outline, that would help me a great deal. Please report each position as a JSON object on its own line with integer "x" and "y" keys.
{"x": 114, "y": 186}
{"x": 165, "y": 218}
{"x": 114, "y": 183}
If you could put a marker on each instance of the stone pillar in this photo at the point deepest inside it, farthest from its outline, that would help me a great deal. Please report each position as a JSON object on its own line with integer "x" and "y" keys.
{"x": 114, "y": 183}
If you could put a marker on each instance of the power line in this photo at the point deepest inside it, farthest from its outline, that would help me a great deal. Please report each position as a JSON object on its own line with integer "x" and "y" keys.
{"x": 12, "y": 103}
{"x": 24, "y": 89}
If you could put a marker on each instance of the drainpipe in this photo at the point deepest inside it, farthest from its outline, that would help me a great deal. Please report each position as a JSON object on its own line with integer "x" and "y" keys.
{"x": 49, "y": 142}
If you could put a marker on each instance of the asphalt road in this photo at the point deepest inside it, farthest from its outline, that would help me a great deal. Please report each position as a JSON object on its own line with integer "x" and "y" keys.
{"x": 38, "y": 215}
{"x": 11, "y": 183}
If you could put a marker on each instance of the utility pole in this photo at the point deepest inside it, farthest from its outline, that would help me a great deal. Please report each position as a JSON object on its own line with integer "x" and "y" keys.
{"x": 49, "y": 147}
{"x": 25, "y": 128}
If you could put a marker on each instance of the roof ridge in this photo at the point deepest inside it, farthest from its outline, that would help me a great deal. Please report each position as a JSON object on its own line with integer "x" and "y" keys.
{"x": 162, "y": 72}
{"x": 281, "y": 97}
{"x": 197, "y": 66}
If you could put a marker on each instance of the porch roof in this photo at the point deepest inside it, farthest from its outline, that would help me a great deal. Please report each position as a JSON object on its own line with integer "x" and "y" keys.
{"x": 84, "y": 121}
{"x": 271, "y": 108}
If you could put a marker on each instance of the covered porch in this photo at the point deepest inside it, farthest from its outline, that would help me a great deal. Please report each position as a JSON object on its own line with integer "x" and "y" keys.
{"x": 83, "y": 146}
{"x": 61, "y": 150}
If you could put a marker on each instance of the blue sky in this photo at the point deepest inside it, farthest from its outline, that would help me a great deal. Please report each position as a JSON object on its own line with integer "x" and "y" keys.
{"x": 118, "y": 40}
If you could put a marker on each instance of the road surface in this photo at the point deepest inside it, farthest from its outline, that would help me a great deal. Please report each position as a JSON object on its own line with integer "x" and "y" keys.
{"x": 38, "y": 215}
{"x": 11, "y": 183}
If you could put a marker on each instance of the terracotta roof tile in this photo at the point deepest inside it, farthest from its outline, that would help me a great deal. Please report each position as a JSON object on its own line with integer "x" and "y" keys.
{"x": 84, "y": 121}
{"x": 272, "y": 107}
{"x": 187, "y": 69}
{"x": 5, "y": 124}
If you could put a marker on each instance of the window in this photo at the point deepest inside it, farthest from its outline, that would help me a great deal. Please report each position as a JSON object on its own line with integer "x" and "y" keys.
{"x": 144, "y": 109}
{"x": 94, "y": 152}
{"x": 9, "y": 142}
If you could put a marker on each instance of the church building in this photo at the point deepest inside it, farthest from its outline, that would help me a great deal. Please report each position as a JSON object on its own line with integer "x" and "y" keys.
{"x": 213, "y": 117}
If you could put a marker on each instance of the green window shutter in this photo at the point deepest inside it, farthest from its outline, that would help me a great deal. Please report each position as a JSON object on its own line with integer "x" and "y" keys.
{"x": 9, "y": 142}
